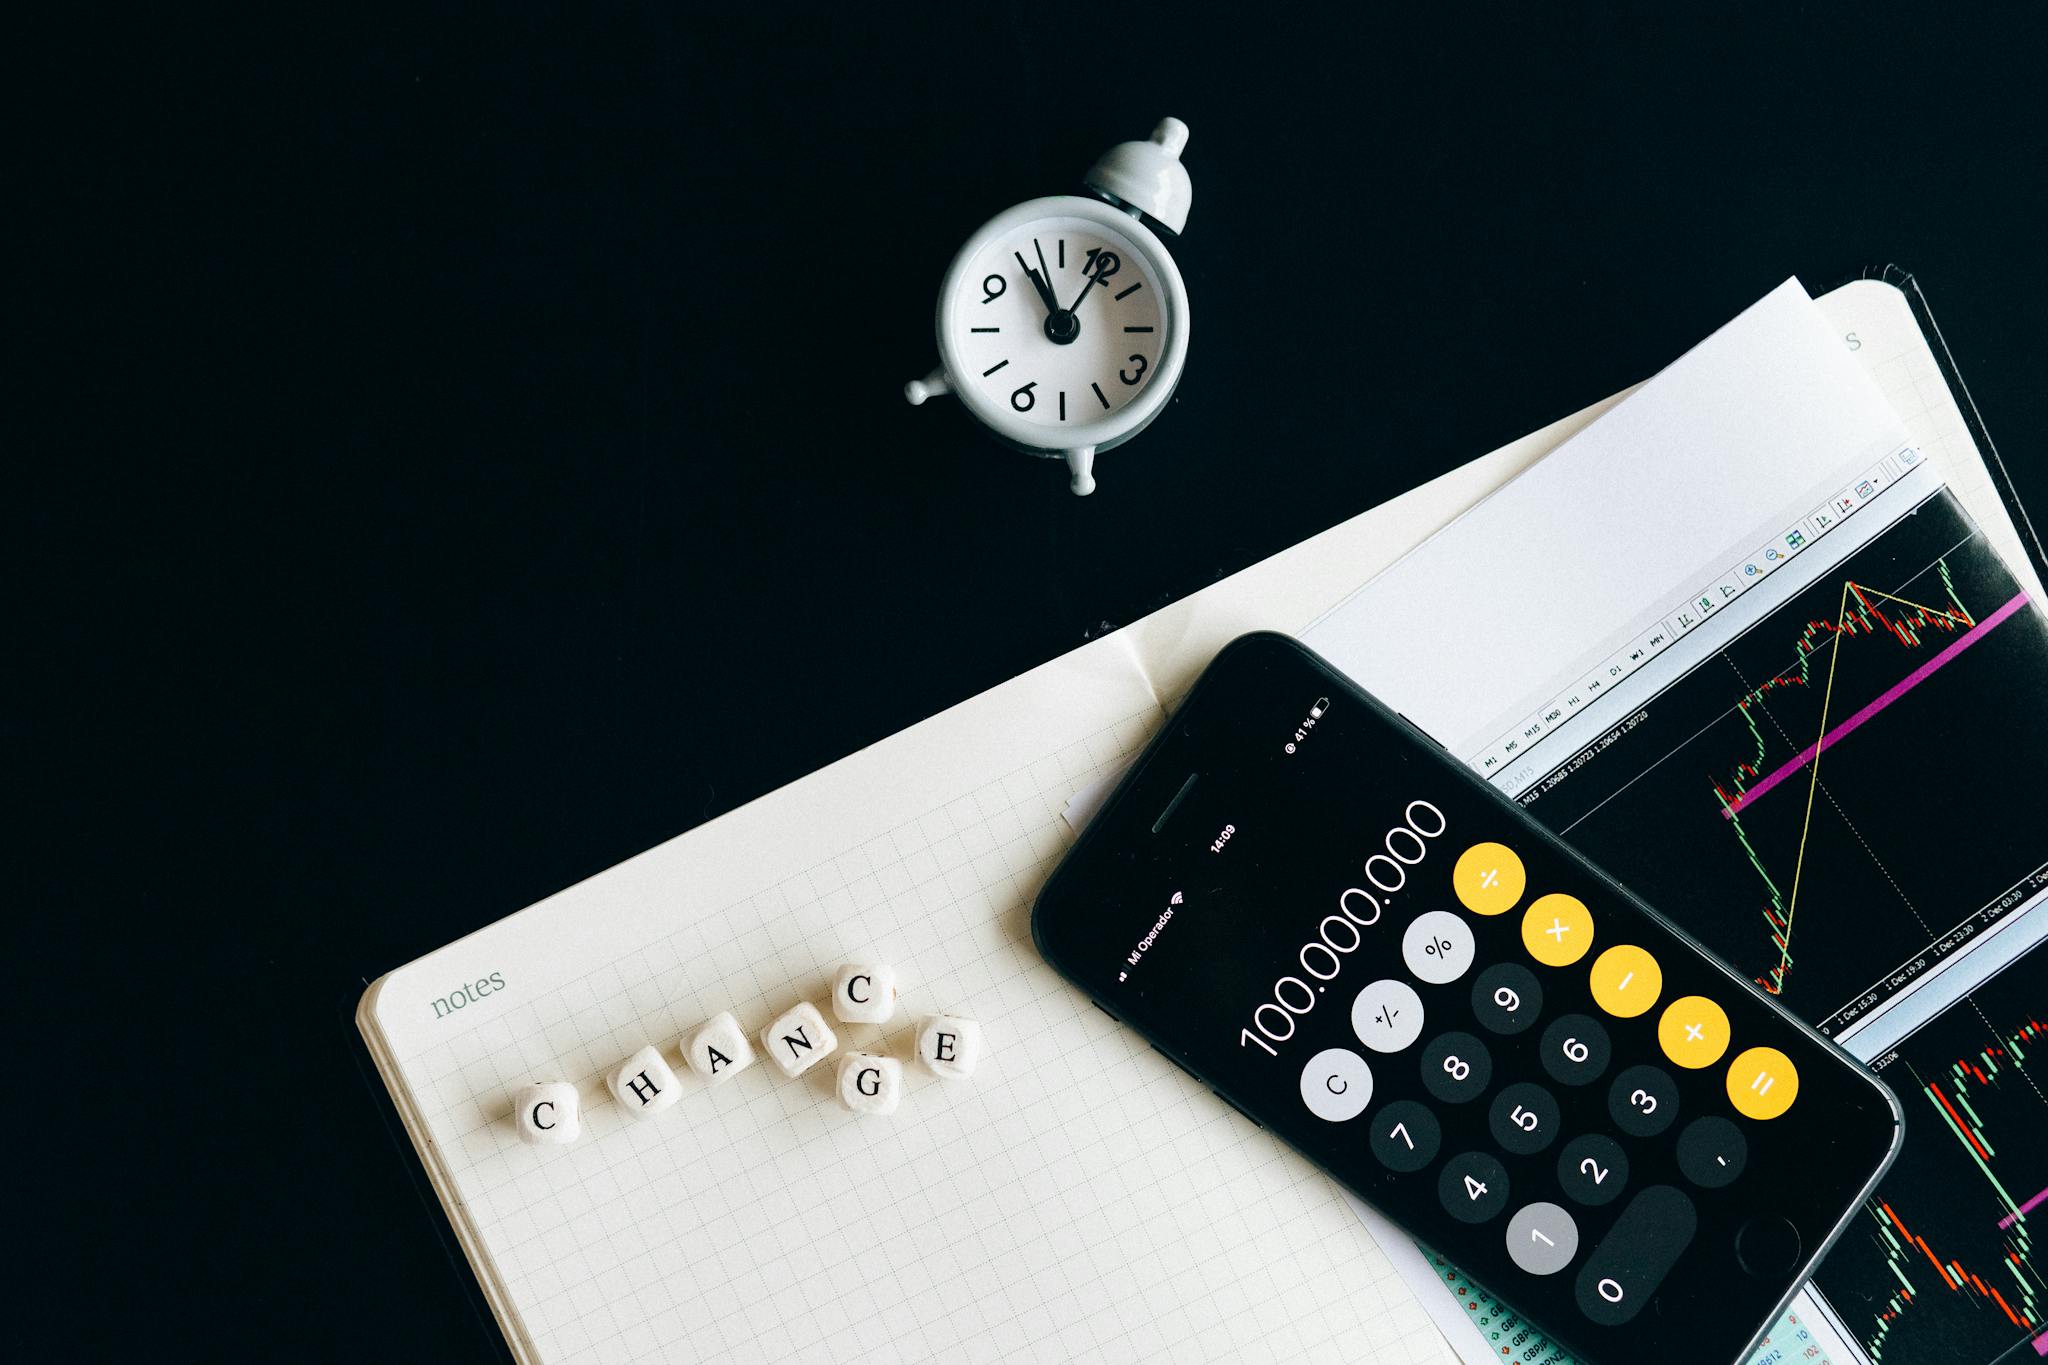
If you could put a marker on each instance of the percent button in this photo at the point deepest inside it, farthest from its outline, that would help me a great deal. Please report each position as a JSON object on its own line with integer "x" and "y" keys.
{"x": 1437, "y": 947}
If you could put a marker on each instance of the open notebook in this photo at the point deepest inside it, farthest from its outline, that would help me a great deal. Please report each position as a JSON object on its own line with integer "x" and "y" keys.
{"x": 1079, "y": 1198}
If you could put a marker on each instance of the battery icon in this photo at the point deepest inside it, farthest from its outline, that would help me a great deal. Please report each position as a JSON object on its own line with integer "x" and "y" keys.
{"x": 1322, "y": 705}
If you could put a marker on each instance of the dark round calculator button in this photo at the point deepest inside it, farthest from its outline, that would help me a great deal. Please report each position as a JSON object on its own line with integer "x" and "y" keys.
{"x": 1575, "y": 1049}
{"x": 1506, "y": 998}
{"x": 1523, "y": 1118}
{"x": 1406, "y": 1136}
{"x": 1456, "y": 1067}
{"x": 1712, "y": 1152}
{"x": 1592, "y": 1170}
{"x": 1473, "y": 1187}
{"x": 1768, "y": 1246}
{"x": 1643, "y": 1101}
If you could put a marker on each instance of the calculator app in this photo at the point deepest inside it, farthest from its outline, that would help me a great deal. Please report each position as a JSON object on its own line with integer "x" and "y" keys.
{"x": 1387, "y": 965}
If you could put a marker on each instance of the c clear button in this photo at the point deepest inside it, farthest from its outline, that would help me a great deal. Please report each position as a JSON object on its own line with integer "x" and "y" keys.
{"x": 1336, "y": 1085}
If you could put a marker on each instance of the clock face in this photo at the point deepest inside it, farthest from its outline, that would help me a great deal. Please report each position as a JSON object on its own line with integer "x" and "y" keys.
{"x": 1060, "y": 321}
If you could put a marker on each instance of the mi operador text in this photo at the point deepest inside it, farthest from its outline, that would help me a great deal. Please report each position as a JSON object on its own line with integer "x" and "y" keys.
{"x": 644, "y": 1084}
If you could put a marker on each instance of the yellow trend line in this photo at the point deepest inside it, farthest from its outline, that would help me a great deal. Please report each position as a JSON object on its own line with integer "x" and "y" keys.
{"x": 1905, "y": 602}
{"x": 1812, "y": 786}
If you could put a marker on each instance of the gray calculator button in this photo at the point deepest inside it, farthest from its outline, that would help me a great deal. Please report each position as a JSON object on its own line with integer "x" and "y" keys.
{"x": 1406, "y": 1136}
{"x": 1456, "y": 1067}
{"x": 1637, "y": 1253}
{"x": 1542, "y": 1239}
{"x": 1336, "y": 1085}
{"x": 1575, "y": 1049}
{"x": 1473, "y": 1187}
{"x": 1643, "y": 1101}
{"x": 1592, "y": 1170}
{"x": 1506, "y": 998}
{"x": 1523, "y": 1118}
{"x": 1712, "y": 1152}
{"x": 1387, "y": 1015}
{"x": 1437, "y": 946}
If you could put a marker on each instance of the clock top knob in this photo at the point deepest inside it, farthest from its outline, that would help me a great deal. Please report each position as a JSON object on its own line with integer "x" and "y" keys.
{"x": 1148, "y": 176}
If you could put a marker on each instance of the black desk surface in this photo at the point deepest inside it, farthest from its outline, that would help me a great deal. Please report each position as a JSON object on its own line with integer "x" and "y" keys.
{"x": 506, "y": 468}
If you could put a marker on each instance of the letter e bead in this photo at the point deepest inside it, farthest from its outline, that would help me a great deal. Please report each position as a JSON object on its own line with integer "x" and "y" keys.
{"x": 547, "y": 1113}
{"x": 799, "y": 1039}
{"x": 949, "y": 1046}
{"x": 643, "y": 1084}
{"x": 870, "y": 1084}
{"x": 719, "y": 1049}
{"x": 864, "y": 993}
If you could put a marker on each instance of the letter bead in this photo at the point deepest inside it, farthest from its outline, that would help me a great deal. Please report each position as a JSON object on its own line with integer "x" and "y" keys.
{"x": 547, "y": 1113}
{"x": 643, "y": 1084}
{"x": 949, "y": 1046}
{"x": 719, "y": 1049}
{"x": 864, "y": 993}
{"x": 799, "y": 1039}
{"x": 870, "y": 1084}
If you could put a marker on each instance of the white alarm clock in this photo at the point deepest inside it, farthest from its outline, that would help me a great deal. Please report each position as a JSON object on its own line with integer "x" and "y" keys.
{"x": 1063, "y": 323}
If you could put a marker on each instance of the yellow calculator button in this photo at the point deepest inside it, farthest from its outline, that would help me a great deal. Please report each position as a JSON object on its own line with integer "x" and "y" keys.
{"x": 1488, "y": 879}
{"x": 1626, "y": 981}
{"x": 1762, "y": 1083}
{"x": 1557, "y": 930}
{"x": 1693, "y": 1031}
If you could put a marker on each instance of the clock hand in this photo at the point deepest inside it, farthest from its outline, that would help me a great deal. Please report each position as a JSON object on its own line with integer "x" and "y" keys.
{"x": 1105, "y": 263}
{"x": 1039, "y": 283}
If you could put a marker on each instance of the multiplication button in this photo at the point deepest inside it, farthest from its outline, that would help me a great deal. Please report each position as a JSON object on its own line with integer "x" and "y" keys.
{"x": 1406, "y": 1136}
{"x": 1557, "y": 929}
{"x": 1437, "y": 947}
{"x": 1506, "y": 998}
{"x": 1456, "y": 1067}
{"x": 1575, "y": 1049}
{"x": 1643, "y": 1101}
{"x": 1542, "y": 1238}
{"x": 1473, "y": 1187}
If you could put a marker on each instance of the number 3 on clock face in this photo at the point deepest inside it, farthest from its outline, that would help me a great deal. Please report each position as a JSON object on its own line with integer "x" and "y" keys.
{"x": 1064, "y": 323}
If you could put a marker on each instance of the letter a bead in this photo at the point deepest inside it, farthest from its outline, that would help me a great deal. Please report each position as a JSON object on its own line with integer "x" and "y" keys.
{"x": 870, "y": 1084}
{"x": 547, "y": 1113}
{"x": 864, "y": 993}
{"x": 799, "y": 1039}
{"x": 643, "y": 1084}
{"x": 719, "y": 1049}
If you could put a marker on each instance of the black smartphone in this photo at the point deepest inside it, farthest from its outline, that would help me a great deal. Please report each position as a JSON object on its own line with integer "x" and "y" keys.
{"x": 1309, "y": 906}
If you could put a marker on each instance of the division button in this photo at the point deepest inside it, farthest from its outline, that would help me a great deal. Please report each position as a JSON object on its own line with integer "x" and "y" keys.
{"x": 1643, "y": 1101}
{"x": 1473, "y": 1187}
{"x": 1523, "y": 1118}
{"x": 1542, "y": 1238}
{"x": 1488, "y": 879}
{"x": 1575, "y": 1049}
{"x": 1406, "y": 1136}
{"x": 1437, "y": 946}
{"x": 1762, "y": 1083}
{"x": 1637, "y": 1253}
{"x": 1693, "y": 1032}
{"x": 1387, "y": 1015}
{"x": 1712, "y": 1152}
{"x": 1626, "y": 981}
{"x": 1506, "y": 998}
{"x": 1456, "y": 1067}
{"x": 1557, "y": 929}
{"x": 1336, "y": 1085}
{"x": 1593, "y": 1170}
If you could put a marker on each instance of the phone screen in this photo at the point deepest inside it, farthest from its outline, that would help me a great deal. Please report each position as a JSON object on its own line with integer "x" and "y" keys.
{"x": 1366, "y": 950}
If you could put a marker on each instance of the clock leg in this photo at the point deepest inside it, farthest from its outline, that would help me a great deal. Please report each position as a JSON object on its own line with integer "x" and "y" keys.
{"x": 1081, "y": 462}
{"x": 931, "y": 386}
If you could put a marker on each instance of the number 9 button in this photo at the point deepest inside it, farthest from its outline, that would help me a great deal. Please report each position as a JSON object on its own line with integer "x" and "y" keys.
{"x": 1456, "y": 1067}
{"x": 1506, "y": 998}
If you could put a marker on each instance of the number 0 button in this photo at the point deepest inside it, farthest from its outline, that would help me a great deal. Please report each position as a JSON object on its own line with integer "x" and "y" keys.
{"x": 1456, "y": 1067}
{"x": 1473, "y": 1187}
{"x": 1406, "y": 1136}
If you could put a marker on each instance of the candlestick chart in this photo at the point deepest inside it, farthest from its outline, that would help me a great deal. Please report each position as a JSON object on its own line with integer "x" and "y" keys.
{"x": 1837, "y": 800}
{"x": 1942, "y": 1263}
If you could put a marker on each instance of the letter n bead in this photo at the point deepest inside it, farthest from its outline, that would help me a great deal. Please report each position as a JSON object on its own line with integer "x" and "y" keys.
{"x": 870, "y": 1084}
{"x": 547, "y": 1113}
{"x": 864, "y": 993}
{"x": 949, "y": 1046}
{"x": 799, "y": 1039}
{"x": 643, "y": 1084}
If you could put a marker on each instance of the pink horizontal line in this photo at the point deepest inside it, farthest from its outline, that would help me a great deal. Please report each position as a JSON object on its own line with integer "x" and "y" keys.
{"x": 2027, "y": 1207}
{"x": 1884, "y": 699}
